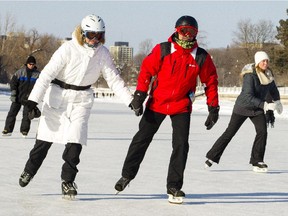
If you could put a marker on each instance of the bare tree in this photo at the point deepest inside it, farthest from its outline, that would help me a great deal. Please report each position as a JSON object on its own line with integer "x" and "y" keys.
{"x": 145, "y": 47}
{"x": 249, "y": 35}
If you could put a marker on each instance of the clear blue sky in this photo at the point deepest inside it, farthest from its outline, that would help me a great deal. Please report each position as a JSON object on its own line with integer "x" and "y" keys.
{"x": 136, "y": 21}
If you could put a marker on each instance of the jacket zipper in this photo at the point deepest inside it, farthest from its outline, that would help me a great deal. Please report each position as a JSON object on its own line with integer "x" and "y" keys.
{"x": 185, "y": 74}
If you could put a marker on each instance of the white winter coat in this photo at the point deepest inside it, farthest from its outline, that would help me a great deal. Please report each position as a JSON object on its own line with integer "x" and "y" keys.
{"x": 65, "y": 113}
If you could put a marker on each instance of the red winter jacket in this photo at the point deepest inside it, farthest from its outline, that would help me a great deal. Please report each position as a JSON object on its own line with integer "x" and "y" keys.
{"x": 175, "y": 77}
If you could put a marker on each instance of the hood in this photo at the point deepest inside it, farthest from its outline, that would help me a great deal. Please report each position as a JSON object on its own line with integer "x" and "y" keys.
{"x": 265, "y": 77}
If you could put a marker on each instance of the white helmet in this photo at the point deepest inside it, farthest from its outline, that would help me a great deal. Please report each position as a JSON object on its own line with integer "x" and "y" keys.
{"x": 92, "y": 23}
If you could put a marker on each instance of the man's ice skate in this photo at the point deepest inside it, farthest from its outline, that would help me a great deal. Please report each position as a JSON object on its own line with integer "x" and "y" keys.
{"x": 208, "y": 163}
{"x": 175, "y": 196}
{"x": 24, "y": 134}
{"x": 25, "y": 178}
{"x": 69, "y": 190}
{"x": 260, "y": 167}
{"x": 6, "y": 133}
{"x": 121, "y": 184}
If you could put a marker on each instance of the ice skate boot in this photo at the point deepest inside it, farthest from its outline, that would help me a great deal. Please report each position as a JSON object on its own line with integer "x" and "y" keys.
{"x": 121, "y": 184}
{"x": 24, "y": 134}
{"x": 25, "y": 178}
{"x": 69, "y": 190}
{"x": 6, "y": 133}
{"x": 260, "y": 167}
{"x": 175, "y": 196}
{"x": 208, "y": 163}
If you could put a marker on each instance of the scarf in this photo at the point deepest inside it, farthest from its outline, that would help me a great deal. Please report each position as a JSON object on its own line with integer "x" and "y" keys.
{"x": 184, "y": 44}
{"x": 265, "y": 77}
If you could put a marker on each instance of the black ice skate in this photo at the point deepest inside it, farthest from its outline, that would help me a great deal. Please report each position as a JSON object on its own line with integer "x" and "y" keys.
{"x": 69, "y": 190}
{"x": 25, "y": 178}
{"x": 6, "y": 133}
{"x": 175, "y": 196}
{"x": 260, "y": 167}
{"x": 121, "y": 184}
{"x": 208, "y": 163}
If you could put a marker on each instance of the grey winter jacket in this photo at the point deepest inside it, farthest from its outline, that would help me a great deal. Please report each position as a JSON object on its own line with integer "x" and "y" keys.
{"x": 251, "y": 100}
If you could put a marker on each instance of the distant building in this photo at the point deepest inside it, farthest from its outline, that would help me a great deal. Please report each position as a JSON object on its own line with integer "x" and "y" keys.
{"x": 121, "y": 53}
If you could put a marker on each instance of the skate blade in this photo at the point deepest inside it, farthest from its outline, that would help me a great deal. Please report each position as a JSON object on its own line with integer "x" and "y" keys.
{"x": 260, "y": 170}
{"x": 9, "y": 134}
{"x": 69, "y": 197}
{"x": 207, "y": 166}
{"x": 175, "y": 200}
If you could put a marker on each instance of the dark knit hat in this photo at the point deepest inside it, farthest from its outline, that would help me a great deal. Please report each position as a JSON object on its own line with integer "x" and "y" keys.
{"x": 31, "y": 59}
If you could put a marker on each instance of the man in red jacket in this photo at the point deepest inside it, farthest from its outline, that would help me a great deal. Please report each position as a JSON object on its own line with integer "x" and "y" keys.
{"x": 175, "y": 79}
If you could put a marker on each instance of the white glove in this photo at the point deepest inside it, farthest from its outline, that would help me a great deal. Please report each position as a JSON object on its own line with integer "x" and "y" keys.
{"x": 269, "y": 106}
{"x": 278, "y": 107}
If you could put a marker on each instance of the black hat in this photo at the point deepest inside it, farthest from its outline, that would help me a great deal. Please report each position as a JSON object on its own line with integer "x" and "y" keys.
{"x": 31, "y": 59}
{"x": 187, "y": 21}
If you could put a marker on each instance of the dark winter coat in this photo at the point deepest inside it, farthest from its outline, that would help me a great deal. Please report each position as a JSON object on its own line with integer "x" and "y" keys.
{"x": 251, "y": 100}
{"x": 175, "y": 77}
{"x": 22, "y": 82}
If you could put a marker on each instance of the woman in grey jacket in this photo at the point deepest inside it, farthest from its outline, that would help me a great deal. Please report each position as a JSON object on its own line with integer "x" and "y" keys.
{"x": 258, "y": 80}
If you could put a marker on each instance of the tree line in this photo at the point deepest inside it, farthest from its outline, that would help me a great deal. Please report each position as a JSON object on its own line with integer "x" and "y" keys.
{"x": 17, "y": 44}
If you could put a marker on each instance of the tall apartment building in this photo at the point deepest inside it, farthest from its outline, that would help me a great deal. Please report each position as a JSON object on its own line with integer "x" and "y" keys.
{"x": 121, "y": 53}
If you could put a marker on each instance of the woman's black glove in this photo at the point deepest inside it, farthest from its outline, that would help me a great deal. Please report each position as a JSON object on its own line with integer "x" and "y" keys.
{"x": 212, "y": 117}
{"x": 33, "y": 111}
{"x": 137, "y": 103}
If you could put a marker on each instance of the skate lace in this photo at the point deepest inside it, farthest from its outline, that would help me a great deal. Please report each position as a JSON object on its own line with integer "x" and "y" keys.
{"x": 176, "y": 192}
{"x": 70, "y": 185}
{"x": 26, "y": 177}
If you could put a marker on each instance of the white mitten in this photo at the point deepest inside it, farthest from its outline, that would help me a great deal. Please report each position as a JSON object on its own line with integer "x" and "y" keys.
{"x": 278, "y": 107}
{"x": 269, "y": 106}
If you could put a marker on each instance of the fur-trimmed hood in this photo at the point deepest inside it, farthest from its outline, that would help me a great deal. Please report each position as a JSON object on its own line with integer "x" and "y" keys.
{"x": 77, "y": 35}
{"x": 265, "y": 77}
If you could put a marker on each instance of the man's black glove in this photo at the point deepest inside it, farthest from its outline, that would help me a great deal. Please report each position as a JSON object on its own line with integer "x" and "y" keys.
{"x": 212, "y": 117}
{"x": 33, "y": 111}
{"x": 137, "y": 103}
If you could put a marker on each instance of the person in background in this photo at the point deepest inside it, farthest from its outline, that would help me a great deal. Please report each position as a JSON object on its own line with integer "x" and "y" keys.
{"x": 270, "y": 117}
{"x": 171, "y": 95}
{"x": 258, "y": 80}
{"x": 21, "y": 85}
{"x": 65, "y": 88}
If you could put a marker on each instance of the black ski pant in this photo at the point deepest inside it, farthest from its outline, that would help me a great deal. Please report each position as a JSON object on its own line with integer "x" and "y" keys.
{"x": 70, "y": 156}
{"x": 11, "y": 118}
{"x": 236, "y": 121}
{"x": 148, "y": 126}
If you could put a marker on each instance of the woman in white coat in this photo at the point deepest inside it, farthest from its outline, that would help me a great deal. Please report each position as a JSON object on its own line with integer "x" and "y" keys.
{"x": 64, "y": 88}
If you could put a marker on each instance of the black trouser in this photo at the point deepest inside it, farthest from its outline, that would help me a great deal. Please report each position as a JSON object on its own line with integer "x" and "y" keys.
{"x": 70, "y": 156}
{"x": 236, "y": 121}
{"x": 11, "y": 118}
{"x": 148, "y": 126}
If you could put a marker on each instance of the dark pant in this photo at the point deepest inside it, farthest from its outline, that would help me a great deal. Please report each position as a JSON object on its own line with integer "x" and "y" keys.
{"x": 70, "y": 156}
{"x": 11, "y": 118}
{"x": 148, "y": 126}
{"x": 236, "y": 121}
